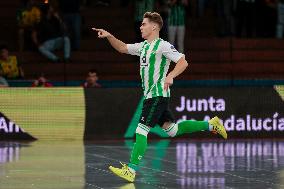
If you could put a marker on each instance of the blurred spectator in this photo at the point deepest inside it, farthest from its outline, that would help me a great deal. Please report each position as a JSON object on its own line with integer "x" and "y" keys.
{"x": 9, "y": 64}
{"x": 176, "y": 27}
{"x": 27, "y": 16}
{"x": 280, "y": 19}
{"x": 162, "y": 7}
{"x": 105, "y": 3}
{"x": 245, "y": 12}
{"x": 271, "y": 21}
{"x": 70, "y": 10}
{"x": 92, "y": 80}
{"x": 41, "y": 81}
{"x": 50, "y": 34}
{"x": 266, "y": 21}
{"x": 141, "y": 6}
{"x": 3, "y": 81}
{"x": 201, "y": 4}
{"x": 226, "y": 22}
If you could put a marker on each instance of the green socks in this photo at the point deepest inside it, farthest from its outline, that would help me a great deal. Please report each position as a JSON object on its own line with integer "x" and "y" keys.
{"x": 187, "y": 126}
{"x": 138, "y": 151}
{"x": 190, "y": 126}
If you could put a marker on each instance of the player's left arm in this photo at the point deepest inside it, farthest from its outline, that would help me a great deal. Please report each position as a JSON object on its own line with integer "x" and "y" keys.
{"x": 179, "y": 68}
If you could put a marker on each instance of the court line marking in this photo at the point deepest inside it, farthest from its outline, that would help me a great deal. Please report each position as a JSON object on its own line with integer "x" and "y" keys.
{"x": 241, "y": 166}
{"x": 137, "y": 180}
{"x": 168, "y": 161}
{"x": 180, "y": 176}
{"x": 170, "y": 173}
{"x": 104, "y": 157}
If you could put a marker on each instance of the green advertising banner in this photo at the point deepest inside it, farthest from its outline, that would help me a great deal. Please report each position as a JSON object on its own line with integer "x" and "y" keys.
{"x": 43, "y": 113}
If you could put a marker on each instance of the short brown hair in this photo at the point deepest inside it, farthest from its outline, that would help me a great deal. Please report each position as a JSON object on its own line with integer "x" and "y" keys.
{"x": 154, "y": 17}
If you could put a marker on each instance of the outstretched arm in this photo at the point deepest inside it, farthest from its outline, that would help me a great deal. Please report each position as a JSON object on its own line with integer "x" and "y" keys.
{"x": 115, "y": 43}
{"x": 179, "y": 68}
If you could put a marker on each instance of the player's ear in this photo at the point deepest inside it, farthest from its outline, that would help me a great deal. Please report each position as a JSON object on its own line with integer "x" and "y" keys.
{"x": 154, "y": 27}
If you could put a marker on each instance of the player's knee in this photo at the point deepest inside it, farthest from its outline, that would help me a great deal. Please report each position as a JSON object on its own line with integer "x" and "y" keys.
{"x": 142, "y": 129}
{"x": 171, "y": 130}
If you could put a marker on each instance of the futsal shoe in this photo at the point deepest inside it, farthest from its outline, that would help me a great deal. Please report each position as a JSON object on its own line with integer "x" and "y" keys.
{"x": 123, "y": 172}
{"x": 218, "y": 127}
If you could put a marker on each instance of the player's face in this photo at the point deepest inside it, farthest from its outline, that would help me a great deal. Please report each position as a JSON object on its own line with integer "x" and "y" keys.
{"x": 146, "y": 28}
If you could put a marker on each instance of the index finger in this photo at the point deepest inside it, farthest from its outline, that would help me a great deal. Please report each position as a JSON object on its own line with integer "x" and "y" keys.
{"x": 96, "y": 29}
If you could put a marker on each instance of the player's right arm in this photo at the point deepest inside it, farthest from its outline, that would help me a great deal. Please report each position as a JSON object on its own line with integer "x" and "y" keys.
{"x": 115, "y": 43}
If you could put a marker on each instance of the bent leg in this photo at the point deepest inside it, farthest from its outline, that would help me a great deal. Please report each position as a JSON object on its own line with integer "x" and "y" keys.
{"x": 46, "y": 49}
{"x": 187, "y": 126}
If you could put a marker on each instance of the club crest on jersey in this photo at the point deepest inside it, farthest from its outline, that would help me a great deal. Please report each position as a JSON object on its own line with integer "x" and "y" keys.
{"x": 143, "y": 61}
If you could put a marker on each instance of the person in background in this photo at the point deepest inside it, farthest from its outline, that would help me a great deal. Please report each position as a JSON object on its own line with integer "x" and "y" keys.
{"x": 41, "y": 81}
{"x": 70, "y": 10}
{"x": 50, "y": 35}
{"x": 104, "y": 3}
{"x": 27, "y": 16}
{"x": 280, "y": 19}
{"x": 92, "y": 80}
{"x": 226, "y": 22}
{"x": 9, "y": 64}
{"x": 245, "y": 16}
{"x": 176, "y": 23}
{"x": 141, "y": 6}
{"x": 162, "y": 7}
{"x": 3, "y": 81}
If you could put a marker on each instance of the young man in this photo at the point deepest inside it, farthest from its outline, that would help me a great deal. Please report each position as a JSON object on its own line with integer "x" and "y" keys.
{"x": 155, "y": 57}
{"x": 50, "y": 34}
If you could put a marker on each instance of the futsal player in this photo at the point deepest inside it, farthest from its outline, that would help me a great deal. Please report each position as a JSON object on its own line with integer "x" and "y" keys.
{"x": 155, "y": 57}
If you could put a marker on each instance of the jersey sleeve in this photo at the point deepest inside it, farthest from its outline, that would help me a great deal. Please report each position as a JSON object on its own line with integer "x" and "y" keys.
{"x": 170, "y": 52}
{"x": 134, "y": 49}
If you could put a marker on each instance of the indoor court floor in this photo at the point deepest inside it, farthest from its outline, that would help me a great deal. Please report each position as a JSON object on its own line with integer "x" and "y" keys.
{"x": 194, "y": 164}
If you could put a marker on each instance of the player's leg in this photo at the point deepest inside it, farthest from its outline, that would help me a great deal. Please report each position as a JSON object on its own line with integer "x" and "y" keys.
{"x": 152, "y": 109}
{"x": 180, "y": 38}
{"x": 139, "y": 147}
{"x": 188, "y": 126}
{"x": 46, "y": 49}
{"x": 151, "y": 112}
{"x": 167, "y": 122}
{"x": 128, "y": 172}
{"x": 172, "y": 30}
{"x": 191, "y": 126}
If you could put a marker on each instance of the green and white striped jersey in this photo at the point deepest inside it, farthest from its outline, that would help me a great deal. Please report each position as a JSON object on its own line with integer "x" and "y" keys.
{"x": 155, "y": 58}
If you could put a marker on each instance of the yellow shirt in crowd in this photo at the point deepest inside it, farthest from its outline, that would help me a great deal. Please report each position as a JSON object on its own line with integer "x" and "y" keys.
{"x": 10, "y": 67}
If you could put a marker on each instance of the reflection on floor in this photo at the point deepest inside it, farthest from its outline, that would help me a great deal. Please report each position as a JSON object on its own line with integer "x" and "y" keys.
{"x": 177, "y": 164}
